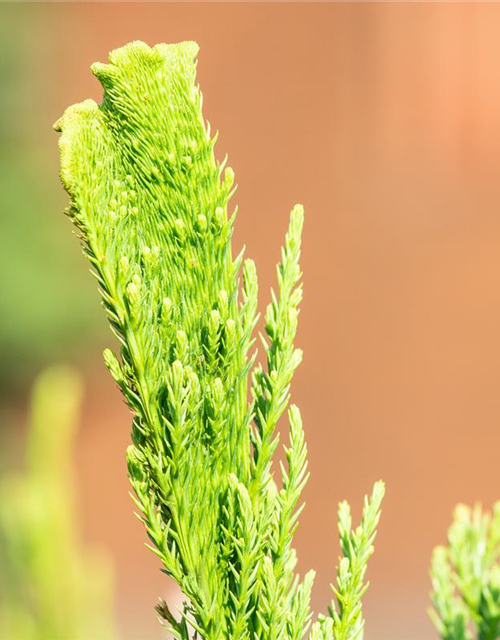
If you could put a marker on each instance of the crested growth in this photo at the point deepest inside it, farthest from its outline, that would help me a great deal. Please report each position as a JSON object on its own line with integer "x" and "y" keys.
{"x": 152, "y": 205}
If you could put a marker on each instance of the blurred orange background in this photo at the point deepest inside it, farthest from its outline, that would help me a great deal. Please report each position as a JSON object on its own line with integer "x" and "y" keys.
{"x": 383, "y": 119}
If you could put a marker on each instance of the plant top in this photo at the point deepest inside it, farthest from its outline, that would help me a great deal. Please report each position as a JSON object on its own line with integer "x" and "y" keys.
{"x": 151, "y": 203}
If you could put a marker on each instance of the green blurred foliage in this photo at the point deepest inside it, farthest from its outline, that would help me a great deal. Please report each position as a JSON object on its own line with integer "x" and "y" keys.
{"x": 50, "y": 587}
{"x": 47, "y": 301}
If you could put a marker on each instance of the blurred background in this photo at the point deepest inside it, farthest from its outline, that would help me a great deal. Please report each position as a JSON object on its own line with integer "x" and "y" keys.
{"x": 384, "y": 120}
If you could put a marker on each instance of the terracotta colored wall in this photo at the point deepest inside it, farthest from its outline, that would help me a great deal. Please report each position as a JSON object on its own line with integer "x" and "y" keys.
{"x": 383, "y": 120}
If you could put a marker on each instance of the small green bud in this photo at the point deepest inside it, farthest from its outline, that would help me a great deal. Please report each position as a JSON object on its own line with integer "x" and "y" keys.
{"x": 133, "y": 296}
{"x": 293, "y": 317}
{"x": 177, "y": 366}
{"x": 194, "y": 381}
{"x": 215, "y": 318}
{"x": 124, "y": 264}
{"x": 230, "y": 329}
{"x": 222, "y": 299}
{"x": 220, "y": 218}
{"x": 177, "y": 373}
{"x": 182, "y": 345}
{"x": 296, "y": 359}
{"x": 202, "y": 222}
{"x": 166, "y": 309}
{"x": 180, "y": 228}
{"x": 249, "y": 274}
{"x": 228, "y": 178}
{"x": 111, "y": 362}
{"x": 343, "y": 569}
{"x": 218, "y": 391}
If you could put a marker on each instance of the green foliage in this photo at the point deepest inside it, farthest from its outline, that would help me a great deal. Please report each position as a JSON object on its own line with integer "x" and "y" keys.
{"x": 466, "y": 577}
{"x": 346, "y": 619}
{"x": 151, "y": 203}
{"x": 50, "y": 589}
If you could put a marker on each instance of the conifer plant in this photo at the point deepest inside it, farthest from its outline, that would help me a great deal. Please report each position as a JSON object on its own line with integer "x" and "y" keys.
{"x": 466, "y": 577}
{"x": 151, "y": 204}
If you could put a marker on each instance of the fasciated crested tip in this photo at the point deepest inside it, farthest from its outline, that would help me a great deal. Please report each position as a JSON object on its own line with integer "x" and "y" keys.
{"x": 137, "y": 49}
{"x": 73, "y": 112}
{"x": 186, "y": 48}
{"x": 103, "y": 72}
{"x": 69, "y": 125}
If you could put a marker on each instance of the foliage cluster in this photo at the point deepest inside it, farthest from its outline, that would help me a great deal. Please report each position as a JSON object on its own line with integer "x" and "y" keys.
{"x": 466, "y": 577}
{"x": 151, "y": 203}
{"x": 50, "y": 587}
